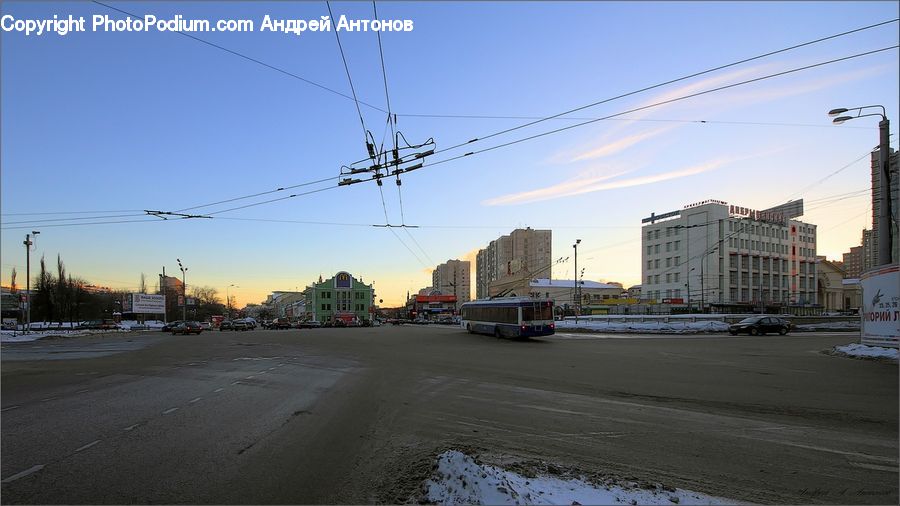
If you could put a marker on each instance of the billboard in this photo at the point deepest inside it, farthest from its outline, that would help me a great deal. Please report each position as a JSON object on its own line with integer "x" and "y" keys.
{"x": 881, "y": 306}
{"x": 144, "y": 303}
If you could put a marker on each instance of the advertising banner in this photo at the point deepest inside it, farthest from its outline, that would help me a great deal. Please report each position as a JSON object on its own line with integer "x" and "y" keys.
{"x": 151, "y": 304}
{"x": 881, "y": 306}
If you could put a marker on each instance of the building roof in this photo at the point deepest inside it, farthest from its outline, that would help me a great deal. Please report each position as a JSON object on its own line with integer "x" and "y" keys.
{"x": 568, "y": 283}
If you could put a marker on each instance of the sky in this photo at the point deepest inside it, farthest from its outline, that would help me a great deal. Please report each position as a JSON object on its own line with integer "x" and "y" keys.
{"x": 99, "y": 127}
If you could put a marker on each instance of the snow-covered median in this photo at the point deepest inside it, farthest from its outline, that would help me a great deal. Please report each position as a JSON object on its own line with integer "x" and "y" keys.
{"x": 863, "y": 351}
{"x": 657, "y": 327}
{"x": 8, "y": 336}
{"x": 459, "y": 479}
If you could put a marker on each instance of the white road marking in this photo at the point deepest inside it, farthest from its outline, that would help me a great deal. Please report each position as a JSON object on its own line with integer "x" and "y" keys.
{"x": 9, "y": 408}
{"x": 249, "y": 377}
{"x": 23, "y": 474}
{"x": 166, "y": 412}
{"x": 85, "y": 447}
{"x": 236, "y": 382}
{"x": 130, "y": 427}
{"x": 218, "y": 390}
{"x": 194, "y": 400}
{"x": 873, "y": 467}
{"x": 48, "y": 399}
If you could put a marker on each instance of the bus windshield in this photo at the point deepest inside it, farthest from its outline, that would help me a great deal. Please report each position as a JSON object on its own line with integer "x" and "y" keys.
{"x": 537, "y": 311}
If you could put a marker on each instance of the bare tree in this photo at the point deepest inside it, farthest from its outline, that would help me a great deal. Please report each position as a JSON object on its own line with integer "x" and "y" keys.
{"x": 12, "y": 283}
{"x": 143, "y": 286}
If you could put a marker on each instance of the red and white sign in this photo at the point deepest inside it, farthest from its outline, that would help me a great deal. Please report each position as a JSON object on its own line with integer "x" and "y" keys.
{"x": 881, "y": 306}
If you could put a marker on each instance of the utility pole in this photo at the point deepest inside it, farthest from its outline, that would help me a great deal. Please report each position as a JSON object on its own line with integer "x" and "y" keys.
{"x": 28, "y": 244}
{"x": 183, "y": 290}
{"x": 577, "y": 297}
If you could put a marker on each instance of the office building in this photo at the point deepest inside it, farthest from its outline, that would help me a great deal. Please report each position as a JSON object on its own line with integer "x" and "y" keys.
{"x": 715, "y": 254}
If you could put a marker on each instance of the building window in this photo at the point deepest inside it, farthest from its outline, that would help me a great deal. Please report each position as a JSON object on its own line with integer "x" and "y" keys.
{"x": 649, "y": 264}
{"x": 669, "y": 262}
{"x": 656, "y": 249}
{"x": 656, "y": 264}
{"x": 649, "y": 250}
{"x": 677, "y": 244}
{"x": 656, "y": 234}
{"x": 668, "y": 246}
{"x": 677, "y": 276}
{"x": 668, "y": 278}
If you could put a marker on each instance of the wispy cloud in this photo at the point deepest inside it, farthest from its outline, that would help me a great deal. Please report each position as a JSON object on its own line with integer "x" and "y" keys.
{"x": 610, "y": 148}
{"x": 580, "y": 186}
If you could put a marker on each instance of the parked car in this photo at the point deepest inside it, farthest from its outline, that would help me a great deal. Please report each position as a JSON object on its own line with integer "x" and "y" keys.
{"x": 226, "y": 325}
{"x": 171, "y": 325}
{"x": 187, "y": 328}
{"x": 312, "y": 324}
{"x": 97, "y": 325}
{"x": 760, "y": 325}
{"x": 240, "y": 325}
{"x": 206, "y": 325}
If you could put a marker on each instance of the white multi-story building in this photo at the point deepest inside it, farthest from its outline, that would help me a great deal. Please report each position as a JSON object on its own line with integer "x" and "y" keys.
{"x": 715, "y": 253}
{"x": 453, "y": 278}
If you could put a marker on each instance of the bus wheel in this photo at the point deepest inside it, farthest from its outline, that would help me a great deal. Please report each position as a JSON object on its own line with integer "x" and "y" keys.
{"x": 497, "y": 332}
{"x": 469, "y": 328}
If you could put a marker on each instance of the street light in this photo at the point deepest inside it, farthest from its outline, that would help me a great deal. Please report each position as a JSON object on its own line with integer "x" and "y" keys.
{"x": 577, "y": 298}
{"x": 183, "y": 290}
{"x": 228, "y": 298}
{"x": 885, "y": 246}
{"x": 28, "y": 244}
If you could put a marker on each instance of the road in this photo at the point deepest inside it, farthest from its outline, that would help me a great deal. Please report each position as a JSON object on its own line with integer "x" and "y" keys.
{"x": 358, "y": 415}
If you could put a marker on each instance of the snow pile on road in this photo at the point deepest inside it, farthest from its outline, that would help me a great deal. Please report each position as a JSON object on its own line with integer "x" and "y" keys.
{"x": 861, "y": 350}
{"x": 657, "y": 327}
{"x": 459, "y": 479}
{"x": 813, "y": 327}
{"x": 148, "y": 325}
{"x": 9, "y": 336}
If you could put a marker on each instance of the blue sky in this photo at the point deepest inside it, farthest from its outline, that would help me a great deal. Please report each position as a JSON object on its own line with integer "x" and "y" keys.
{"x": 133, "y": 121}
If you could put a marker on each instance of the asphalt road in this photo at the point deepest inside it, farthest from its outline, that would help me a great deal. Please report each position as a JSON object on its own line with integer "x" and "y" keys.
{"x": 358, "y": 415}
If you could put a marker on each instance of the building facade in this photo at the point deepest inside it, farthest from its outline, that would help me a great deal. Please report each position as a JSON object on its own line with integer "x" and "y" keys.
{"x": 715, "y": 253}
{"x": 524, "y": 253}
{"x": 453, "y": 278}
{"x": 853, "y": 262}
{"x": 831, "y": 284}
{"x": 342, "y": 297}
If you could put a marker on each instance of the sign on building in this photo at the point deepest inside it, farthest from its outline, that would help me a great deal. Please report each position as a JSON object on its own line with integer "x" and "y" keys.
{"x": 149, "y": 304}
{"x": 881, "y": 306}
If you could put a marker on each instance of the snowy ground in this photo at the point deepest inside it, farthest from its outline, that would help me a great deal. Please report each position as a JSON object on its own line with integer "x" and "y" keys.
{"x": 9, "y": 336}
{"x": 813, "y": 327}
{"x": 862, "y": 351}
{"x": 657, "y": 327}
{"x": 459, "y": 479}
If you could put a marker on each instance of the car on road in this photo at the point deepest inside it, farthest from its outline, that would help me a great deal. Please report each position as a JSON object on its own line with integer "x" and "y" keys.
{"x": 240, "y": 325}
{"x": 226, "y": 325}
{"x": 206, "y": 325}
{"x": 760, "y": 325}
{"x": 281, "y": 324}
{"x": 98, "y": 325}
{"x": 187, "y": 328}
{"x": 171, "y": 325}
{"x": 312, "y": 324}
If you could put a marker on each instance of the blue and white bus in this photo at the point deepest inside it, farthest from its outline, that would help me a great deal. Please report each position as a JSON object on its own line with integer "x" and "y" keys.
{"x": 516, "y": 317}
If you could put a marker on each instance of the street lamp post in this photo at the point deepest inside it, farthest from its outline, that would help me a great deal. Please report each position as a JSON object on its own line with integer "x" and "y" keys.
{"x": 885, "y": 246}
{"x": 28, "y": 244}
{"x": 577, "y": 297}
{"x": 183, "y": 290}
{"x": 228, "y": 298}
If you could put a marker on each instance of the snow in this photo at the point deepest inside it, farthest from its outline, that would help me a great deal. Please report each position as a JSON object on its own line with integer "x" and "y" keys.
{"x": 811, "y": 327}
{"x": 459, "y": 479}
{"x": 658, "y": 327}
{"x": 861, "y": 350}
{"x": 8, "y": 336}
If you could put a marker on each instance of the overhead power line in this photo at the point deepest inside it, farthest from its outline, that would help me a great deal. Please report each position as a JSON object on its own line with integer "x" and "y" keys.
{"x": 248, "y": 58}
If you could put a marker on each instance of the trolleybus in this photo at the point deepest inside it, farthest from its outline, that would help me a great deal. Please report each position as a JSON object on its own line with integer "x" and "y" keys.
{"x": 515, "y": 317}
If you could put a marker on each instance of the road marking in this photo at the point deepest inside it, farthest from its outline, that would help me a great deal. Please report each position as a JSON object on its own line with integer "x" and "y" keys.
{"x": 249, "y": 377}
{"x": 194, "y": 400}
{"x": 85, "y": 447}
{"x": 218, "y": 390}
{"x": 23, "y": 474}
{"x": 82, "y": 391}
{"x": 166, "y": 412}
{"x": 130, "y": 427}
{"x": 873, "y": 467}
{"x": 9, "y": 408}
{"x": 238, "y": 382}
{"x": 48, "y": 399}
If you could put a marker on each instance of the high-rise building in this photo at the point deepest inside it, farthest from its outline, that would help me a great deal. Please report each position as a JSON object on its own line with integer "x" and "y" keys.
{"x": 524, "y": 252}
{"x": 715, "y": 253}
{"x": 853, "y": 262}
{"x": 452, "y": 278}
{"x": 877, "y": 203}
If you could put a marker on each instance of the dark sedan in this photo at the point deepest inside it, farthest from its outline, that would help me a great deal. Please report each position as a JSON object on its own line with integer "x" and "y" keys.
{"x": 171, "y": 325}
{"x": 187, "y": 328}
{"x": 760, "y": 325}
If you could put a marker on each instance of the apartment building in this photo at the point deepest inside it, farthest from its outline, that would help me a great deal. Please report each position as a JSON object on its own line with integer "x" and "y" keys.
{"x": 453, "y": 278}
{"x": 524, "y": 252}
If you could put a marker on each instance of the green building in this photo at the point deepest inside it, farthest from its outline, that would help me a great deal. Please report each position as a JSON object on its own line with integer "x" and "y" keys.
{"x": 341, "y": 297}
